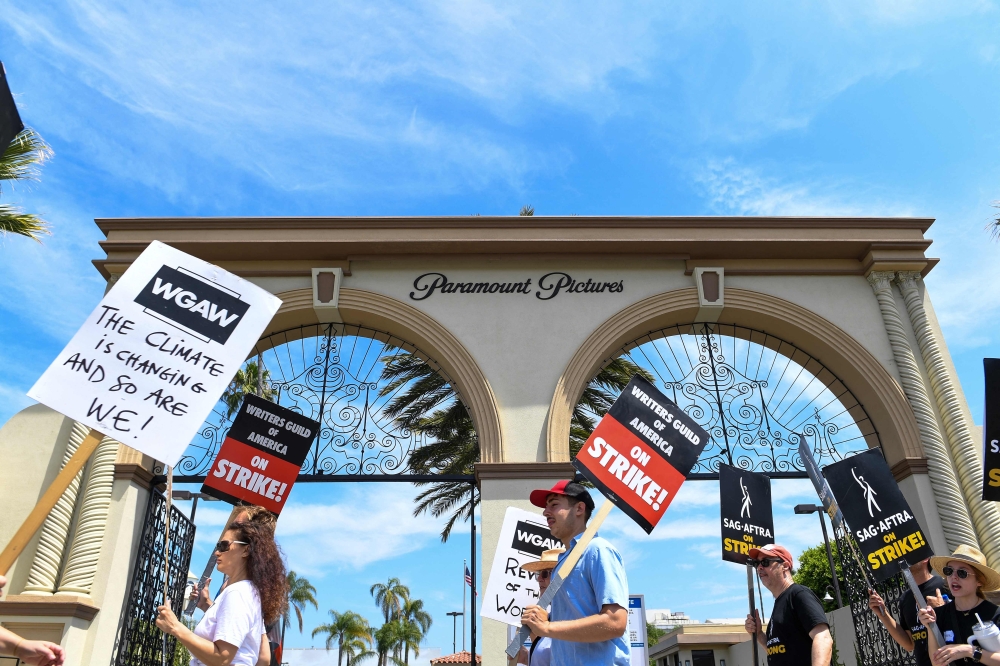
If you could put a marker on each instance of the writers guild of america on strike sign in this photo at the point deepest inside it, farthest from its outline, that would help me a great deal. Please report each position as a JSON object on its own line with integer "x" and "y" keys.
{"x": 641, "y": 452}
{"x": 261, "y": 456}
{"x": 150, "y": 362}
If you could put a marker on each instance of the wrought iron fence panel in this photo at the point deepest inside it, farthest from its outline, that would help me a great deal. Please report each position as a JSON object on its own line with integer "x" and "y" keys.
{"x": 139, "y": 642}
{"x": 875, "y": 646}
{"x": 756, "y": 395}
{"x": 337, "y": 375}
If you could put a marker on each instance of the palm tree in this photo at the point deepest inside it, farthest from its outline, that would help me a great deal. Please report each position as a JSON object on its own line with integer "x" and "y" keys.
{"x": 300, "y": 593}
{"x": 20, "y": 162}
{"x": 417, "y": 622}
{"x": 247, "y": 381}
{"x": 389, "y": 597}
{"x": 388, "y": 639}
{"x": 428, "y": 405}
{"x": 344, "y": 628}
{"x": 359, "y": 649}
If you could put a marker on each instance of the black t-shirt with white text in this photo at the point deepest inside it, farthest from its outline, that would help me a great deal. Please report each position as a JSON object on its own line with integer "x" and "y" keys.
{"x": 956, "y": 626}
{"x": 908, "y": 617}
{"x": 796, "y": 612}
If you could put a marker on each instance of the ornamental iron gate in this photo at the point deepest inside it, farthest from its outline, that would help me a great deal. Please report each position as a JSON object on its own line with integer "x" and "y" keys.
{"x": 139, "y": 642}
{"x": 756, "y": 395}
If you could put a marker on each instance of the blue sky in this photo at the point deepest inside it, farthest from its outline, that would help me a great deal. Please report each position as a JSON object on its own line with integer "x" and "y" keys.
{"x": 880, "y": 107}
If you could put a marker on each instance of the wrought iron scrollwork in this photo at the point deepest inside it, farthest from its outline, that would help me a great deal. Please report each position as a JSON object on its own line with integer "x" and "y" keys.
{"x": 756, "y": 395}
{"x": 333, "y": 373}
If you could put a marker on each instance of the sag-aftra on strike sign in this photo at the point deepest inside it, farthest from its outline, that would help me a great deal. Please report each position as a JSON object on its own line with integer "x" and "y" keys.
{"x": 641, "y": 452}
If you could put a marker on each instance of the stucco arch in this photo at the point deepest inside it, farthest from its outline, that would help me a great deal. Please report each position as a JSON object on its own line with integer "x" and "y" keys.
{"x": 373, "y": 310}
{"x": 868, "y": 380}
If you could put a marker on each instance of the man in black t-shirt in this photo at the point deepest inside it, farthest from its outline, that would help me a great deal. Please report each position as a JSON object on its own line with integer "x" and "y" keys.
{"x": 907, "y": 631}
{"x": 798, "y": 633}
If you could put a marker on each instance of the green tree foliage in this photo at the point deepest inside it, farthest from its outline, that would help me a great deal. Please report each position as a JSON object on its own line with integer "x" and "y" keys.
{"x": 347, "y": 630}
{"x": 653, "y": 635}
{"x": 247, "y": 381}
{"x": 814, "y": 572}
{"x": 390, "y": 597}
{"x": 300, "y": 593}
{"x": 20, "y": 162}
{"x": 527, "y": 211}
{"x": 417, "y": 621}
{"x": 425, "y": 403}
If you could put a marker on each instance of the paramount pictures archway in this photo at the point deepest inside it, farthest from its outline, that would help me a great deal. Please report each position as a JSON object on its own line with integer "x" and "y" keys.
{"x": 842, "y": 298}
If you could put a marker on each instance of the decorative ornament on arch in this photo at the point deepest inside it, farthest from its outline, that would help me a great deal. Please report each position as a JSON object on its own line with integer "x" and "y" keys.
{"x": 876, "y": 390}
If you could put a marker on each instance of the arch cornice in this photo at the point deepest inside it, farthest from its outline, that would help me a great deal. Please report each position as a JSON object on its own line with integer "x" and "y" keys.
{"x": 855, "y": 366}
{"x": 374, "y": 310}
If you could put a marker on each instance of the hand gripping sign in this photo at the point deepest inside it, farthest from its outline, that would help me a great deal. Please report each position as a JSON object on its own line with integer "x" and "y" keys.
{"x": 638, "y": 456}
{"x": 149, "y": 364}
{"x": 878, "y": 514}
{"x": 261, "y": 456}
{"x": 745, "y": 508}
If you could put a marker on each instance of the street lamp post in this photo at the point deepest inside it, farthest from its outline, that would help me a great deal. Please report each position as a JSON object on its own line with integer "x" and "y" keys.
{"x": 818, "y": 508}
{"x": 188, "y": 495}
{"x": 454, "y": 616}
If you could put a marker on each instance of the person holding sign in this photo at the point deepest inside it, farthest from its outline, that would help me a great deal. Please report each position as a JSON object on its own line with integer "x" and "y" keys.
{"x": 540, "y": 653}
{"x": 908, "y": 632}
{"x": 591, "y": 607}
{"x": 798, "y": 632}
{"x": 255, "y": 595}
{"x": 968, "y": 578}
{"x": 36, "y": 653}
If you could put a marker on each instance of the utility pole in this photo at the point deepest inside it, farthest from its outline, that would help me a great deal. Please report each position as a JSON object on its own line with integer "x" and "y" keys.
{"x": 454, "y": 616}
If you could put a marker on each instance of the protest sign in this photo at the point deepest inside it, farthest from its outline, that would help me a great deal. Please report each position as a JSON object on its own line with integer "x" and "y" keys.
{"x": 641, "y": 452}
{"x": 150, "y": 362}
{"x": 523, "y": 537}
{"x": 261, "y": 456}
{"x": 878, "y": 514}
{"x": 637, "y": 630}
{"x": 819, "y": 483}
{"x": 991, "y": 431}
{"x": 745, "y": 509}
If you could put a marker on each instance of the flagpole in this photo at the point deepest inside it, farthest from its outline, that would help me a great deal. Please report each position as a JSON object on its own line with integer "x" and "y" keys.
{"x": 465, "y": 565}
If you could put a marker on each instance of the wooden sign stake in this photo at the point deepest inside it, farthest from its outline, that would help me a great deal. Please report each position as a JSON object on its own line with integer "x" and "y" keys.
{"x": 564, "y": 571}
{"x": 48, "y": 500}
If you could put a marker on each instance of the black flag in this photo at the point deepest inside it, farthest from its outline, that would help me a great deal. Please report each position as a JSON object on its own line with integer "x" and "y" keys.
{"x": 878, "y": 514}
{"x": 745, "y": 505}
{"x": 991, "y": 431}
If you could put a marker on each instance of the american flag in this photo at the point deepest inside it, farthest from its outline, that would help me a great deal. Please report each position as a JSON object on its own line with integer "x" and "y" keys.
{"x": 468, "y": 579}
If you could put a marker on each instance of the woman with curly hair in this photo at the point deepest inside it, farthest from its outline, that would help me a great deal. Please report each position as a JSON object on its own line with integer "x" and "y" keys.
{"x": 255, "y": 595}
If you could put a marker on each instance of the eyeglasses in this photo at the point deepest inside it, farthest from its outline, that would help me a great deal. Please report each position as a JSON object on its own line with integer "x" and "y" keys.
{"x": 767, "y": 561}
{"x": 543, "y": 575}
{"x": 224, "y": 545}
{"x": 961, "y": 573}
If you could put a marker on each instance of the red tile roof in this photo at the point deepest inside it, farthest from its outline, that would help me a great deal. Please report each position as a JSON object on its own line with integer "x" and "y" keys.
{"x": 464, "y": 657}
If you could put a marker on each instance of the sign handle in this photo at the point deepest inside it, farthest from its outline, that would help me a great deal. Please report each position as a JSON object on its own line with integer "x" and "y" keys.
{"x": 918, "y": 596}
{"x": 48, "y": 500}
{"x": 564, "y": 570}
{"x": 753, "y": 613}
{"x": 166, "y": 556}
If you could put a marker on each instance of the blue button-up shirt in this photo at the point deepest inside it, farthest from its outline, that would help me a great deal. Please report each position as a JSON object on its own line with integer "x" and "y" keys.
{"x": 597, "y": 579}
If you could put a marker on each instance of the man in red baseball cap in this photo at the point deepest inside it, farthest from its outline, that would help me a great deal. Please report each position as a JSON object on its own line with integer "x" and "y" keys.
{"x": 590, "y": 610}
{"x": 798, "y": 632}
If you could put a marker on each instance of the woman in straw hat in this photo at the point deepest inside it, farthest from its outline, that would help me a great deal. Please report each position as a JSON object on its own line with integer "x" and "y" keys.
{"x": 968, "y": 578}
{"x": 540, "y": 652}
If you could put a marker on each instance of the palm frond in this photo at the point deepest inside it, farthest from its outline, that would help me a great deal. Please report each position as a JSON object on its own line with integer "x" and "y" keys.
{"x": 14, "y": 221}
{"x": 23, "y": 157}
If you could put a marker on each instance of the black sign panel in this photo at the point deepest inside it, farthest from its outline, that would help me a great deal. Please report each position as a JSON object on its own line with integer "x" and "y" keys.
{"x": 745, "y": 507}
{"x": 273, "y": 429}
{"x": 878, "y": 514}
{"x": 10, "y": 120}
{"x": 533, "y": 540}
{"x": 991, "y": 431}
{"x": 819, "y": 483}
{"x": 193, "y": 303}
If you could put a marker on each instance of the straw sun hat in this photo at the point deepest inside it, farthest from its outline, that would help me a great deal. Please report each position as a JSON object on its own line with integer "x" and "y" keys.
{"x": 548, "y": 561}
{"x": 973, "y": 558}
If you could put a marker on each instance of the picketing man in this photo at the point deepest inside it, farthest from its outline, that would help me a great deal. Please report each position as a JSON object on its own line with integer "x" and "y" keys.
{"x": 540, "y": 653}
{"x": 969, "y": 579}
{"x": 907, "y": 630}
{"x": 798, "y": 632}
{"x": 591, "y": 607}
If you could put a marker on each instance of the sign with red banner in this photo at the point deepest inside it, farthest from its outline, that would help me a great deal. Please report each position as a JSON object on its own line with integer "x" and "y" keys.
{"x": 641, "y": 452}
{"x": 261, "y": 456}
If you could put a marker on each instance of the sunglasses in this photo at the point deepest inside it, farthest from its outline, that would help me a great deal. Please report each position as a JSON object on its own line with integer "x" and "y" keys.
{"x": 542, "y": 575}
{"x": 224, "y": 545}
{"x": 961, "y": 573}
{"x": 766, "y": 562}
